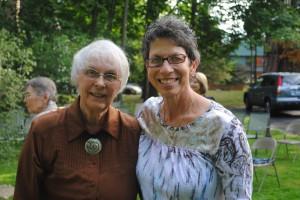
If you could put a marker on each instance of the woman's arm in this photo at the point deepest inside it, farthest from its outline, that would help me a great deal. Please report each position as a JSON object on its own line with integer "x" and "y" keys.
{"x": 234, "y": 163}
{"x": 29, "y": 173}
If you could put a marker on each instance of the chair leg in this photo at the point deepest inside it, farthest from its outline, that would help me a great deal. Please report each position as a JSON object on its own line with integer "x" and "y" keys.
{"x": 295, "y": 156}
{"x": 294, "y": 159}
{"x": 287, "y": 150}
{"x": 276, "y": 174}
{"x": 262, "y": 181}
{"x": 256, "y": 177}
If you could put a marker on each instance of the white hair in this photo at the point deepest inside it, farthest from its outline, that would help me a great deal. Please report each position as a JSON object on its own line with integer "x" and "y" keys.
{"x": 106, "y": 53}
{"x": 43, "y": 85}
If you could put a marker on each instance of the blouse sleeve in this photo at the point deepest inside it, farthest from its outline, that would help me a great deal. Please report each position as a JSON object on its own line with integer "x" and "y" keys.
{"x": 30, "y": 172}
{"x": 234, "y": 162}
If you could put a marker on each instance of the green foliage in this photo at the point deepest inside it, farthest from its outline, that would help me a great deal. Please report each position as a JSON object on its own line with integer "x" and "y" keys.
{"x": 16, "y": 62}
{"x": 214, "y": 51}
{"x": 218, "y": 70}
{"x": 54, "y": 56}
{"x": 14, "y": 55}
{"x": 65, "y": 99}
{"x": 11, "y": 86}
{"x": 271, "y": 20}
{"x": 287, "y": 26}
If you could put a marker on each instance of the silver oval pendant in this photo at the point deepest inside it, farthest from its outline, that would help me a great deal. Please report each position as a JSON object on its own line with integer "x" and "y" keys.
{"x": 93, "y": 146}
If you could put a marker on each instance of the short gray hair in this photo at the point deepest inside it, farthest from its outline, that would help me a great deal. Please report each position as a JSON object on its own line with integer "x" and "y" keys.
{"x": 43, "y": 85}
{"x": 175, "y": 29}
{"x": 107, "y": 53}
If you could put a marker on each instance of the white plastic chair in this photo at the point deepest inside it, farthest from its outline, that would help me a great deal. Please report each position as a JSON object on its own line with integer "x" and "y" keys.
{"x": 264, "y": 150}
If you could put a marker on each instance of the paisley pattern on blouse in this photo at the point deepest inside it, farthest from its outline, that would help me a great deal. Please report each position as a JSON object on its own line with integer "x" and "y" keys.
{"x": 207, "y": 159}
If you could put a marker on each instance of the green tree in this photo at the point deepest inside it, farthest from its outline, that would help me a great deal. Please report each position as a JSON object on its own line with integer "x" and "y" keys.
{"x": 16, "y": 63}
{"x": 276, "y": 26}
{"x": 54, "y": 56}
{"x": 14, "y": 55}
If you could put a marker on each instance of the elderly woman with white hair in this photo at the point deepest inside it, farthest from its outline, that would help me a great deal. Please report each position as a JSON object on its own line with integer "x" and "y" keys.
{"x": 89, "y": 149}
{"x": 40, "y": 96}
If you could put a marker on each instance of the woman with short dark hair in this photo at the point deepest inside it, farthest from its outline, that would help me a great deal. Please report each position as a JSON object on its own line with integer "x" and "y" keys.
{"x": 190, "y": 147}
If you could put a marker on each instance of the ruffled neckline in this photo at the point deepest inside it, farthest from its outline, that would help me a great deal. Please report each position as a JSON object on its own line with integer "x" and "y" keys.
{"x": 183, "y": 127}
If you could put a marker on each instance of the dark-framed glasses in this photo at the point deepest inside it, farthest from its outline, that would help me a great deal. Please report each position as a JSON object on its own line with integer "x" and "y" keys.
{"x": 157, "y": 61}
{"x": 108, "y": 77}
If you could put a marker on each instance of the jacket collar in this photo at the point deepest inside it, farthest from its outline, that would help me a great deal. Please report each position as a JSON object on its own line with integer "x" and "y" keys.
{"x": 75, "y": 124}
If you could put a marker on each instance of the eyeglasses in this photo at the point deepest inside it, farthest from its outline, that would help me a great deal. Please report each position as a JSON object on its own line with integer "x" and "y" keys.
{"x": 27, "y": 95}
{"x": 108, "y": 77}
{"x": 158, "y": 61}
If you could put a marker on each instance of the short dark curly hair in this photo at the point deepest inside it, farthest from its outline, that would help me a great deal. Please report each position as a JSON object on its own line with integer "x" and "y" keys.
{"x": 175, "y": 29}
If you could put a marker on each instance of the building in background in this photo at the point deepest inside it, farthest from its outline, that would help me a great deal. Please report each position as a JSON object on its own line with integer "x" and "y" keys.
{"x": 249, "y": 62}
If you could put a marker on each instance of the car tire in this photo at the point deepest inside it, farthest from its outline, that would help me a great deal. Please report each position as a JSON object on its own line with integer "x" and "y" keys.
{"x": 248, "y": 105}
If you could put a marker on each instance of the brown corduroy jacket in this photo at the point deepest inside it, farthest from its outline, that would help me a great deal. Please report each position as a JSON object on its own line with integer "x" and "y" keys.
{"x": 54, "y": 165}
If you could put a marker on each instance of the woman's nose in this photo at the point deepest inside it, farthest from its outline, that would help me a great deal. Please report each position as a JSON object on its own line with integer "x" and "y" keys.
{"x": 166, "y": 66}
{"x": 100, "y": 81}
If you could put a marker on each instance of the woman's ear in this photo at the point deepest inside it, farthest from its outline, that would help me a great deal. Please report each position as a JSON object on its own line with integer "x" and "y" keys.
{"x": 46, "y": 97}
{"x": 194, "y": 66}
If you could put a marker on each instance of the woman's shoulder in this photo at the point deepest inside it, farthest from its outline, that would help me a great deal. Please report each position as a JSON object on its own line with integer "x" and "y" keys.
{"x": 151, "y": 105}
{"x": 218, "y": 110}
{"x": 224, "y": 117}
{"x": 129, "y": 121}
{"x": 49, "y": 119}
{"x": 152, "y": 102}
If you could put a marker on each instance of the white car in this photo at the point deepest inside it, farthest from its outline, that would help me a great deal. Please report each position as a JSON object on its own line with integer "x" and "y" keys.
{"x": 132, "y": 89}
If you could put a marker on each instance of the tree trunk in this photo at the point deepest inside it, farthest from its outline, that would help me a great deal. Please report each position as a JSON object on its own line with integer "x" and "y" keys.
{"x": 94, "y": 23}
{"x": 255, "y": 64}
{"x": 151, "y": 15}
{"x": 193, "y": 13}
{"x": 124, "y": 25}
{"x": 111, "y": 14}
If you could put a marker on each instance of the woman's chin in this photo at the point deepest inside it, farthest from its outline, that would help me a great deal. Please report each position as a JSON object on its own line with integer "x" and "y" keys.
{"x": 96, "y": 106}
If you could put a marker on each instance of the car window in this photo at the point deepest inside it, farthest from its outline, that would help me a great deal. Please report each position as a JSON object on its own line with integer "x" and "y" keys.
{"x": 291, "y": 80}
{"x": 268, "y": 81}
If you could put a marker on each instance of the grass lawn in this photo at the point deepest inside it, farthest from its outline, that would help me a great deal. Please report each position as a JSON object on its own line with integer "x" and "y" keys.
{"x": 289, "y": 171}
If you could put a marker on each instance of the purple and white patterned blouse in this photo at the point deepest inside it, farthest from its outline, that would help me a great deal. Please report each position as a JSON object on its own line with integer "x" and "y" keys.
{"x": 208, "y": 159}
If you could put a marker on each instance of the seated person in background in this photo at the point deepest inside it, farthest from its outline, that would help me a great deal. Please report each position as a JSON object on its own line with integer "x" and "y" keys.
{"x": 200, "y": 85}
{"x": 40, "y": 96}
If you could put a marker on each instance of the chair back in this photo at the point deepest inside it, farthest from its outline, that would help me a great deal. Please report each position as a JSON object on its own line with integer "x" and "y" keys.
{"x": 259, "y": 123}
{"x": 266, "y": 158}
{"x": 265, "y": 143}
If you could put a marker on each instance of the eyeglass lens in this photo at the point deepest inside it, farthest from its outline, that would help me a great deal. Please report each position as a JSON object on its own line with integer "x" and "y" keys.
{"x": 173, "y": 59}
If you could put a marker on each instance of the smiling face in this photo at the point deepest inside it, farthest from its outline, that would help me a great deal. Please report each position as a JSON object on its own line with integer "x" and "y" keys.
{"x": 98, "y": 85}
{"x": 169, "y": 79}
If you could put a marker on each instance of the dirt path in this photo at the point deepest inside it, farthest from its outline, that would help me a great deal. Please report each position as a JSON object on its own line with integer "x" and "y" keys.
{"x": 6, "y": 191}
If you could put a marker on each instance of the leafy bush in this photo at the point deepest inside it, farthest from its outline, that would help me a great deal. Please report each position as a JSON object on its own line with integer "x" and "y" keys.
{"x": 54, "y": 56}
{"x": 224, "y": 70}
{"x": 65, "y": 99}
{"x": 14, "y": 55}
{"x": 16, "y": 62}
{"x": 12, "y": 133}
{"x": 11, "y": 86}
